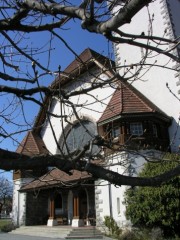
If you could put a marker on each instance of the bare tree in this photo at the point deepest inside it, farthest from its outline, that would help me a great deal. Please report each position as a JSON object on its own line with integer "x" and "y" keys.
{"x": 5, "y": 195}
{"x": 24, "y": 71}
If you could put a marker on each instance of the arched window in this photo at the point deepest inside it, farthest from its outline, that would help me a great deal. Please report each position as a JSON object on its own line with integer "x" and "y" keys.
{"x": 79, "y": 135}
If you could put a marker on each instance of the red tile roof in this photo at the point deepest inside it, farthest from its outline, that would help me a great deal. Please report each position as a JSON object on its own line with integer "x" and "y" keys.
{"x": 128, "y": 100}
{"x": 31, "y": 145}
{"x": 55, "y": 178}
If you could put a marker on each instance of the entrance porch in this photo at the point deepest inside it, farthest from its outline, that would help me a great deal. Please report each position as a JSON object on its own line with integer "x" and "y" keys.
{"x": 74, "y": 207}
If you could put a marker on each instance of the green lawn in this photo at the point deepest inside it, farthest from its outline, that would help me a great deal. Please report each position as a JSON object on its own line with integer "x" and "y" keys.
{"x": 4, "y": 222}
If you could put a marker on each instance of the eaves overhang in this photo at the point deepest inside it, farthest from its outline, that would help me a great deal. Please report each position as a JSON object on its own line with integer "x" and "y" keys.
{"x": 123, "y": 117}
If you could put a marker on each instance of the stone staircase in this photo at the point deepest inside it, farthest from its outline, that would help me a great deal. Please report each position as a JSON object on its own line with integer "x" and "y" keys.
{"x": 43, "y": 231}
{"x": 85, "y": 233}
{"x": 60, "y": 232}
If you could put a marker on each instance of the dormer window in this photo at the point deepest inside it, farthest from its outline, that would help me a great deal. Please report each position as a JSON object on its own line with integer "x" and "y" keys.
{"x": 136, "y": 129}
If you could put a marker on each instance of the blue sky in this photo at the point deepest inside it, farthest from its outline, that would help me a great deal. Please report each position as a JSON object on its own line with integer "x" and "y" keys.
{"x": 78, "y": 40}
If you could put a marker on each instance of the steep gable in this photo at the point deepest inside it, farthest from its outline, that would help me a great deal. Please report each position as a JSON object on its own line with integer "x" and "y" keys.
{"x": 84, "y": 62}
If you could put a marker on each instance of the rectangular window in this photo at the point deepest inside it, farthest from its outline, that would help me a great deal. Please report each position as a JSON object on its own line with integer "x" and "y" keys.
{"x": 136, "y": 129}
{"x": 115, "y": 132}
{"x": 118, "y": 205}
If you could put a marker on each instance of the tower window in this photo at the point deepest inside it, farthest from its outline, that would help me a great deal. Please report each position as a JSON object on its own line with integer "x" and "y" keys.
{"x": 136, "y": 129}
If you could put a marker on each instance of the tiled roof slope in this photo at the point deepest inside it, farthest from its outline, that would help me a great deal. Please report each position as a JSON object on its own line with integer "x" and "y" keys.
{"x": 31, "y": 145}
{"x": 86, "y": 56}
{"x": 56, "y": 177}
{"x": 83, "y": 58}
{"x": 128, "y": 100}
{"x": 82, "y": 63}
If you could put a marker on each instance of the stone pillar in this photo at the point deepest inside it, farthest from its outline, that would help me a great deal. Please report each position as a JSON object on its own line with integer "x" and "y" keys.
{"x": 76, "y": 222}
{"x": 52, "y": 220}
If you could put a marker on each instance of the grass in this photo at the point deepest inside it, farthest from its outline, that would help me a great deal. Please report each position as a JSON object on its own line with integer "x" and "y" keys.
{"x": 4, "y": 222}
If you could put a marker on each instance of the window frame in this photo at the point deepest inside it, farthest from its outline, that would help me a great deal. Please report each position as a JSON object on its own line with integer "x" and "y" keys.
{"x": 136, "y": 128}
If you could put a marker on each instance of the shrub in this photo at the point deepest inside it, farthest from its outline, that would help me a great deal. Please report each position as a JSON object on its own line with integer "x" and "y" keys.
{"x": 128, "y": 235}
{"x": 112, "y": 226}
{"x": 8, "y": 227}
{"x": 154, "y": 207}
{"x": 142, "y": 234}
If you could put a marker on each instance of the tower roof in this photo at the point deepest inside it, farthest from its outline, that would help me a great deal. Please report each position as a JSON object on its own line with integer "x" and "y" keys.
{"x": 31, "y": 145}
{"x": 127, "y": 101}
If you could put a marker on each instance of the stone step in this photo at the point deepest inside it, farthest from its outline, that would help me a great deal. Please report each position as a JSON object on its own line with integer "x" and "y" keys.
{"x": 45, "y": 231}
{"x": 65, "y": 232}
{"x": 84, "y": 237}
{"x": 45, "y": 228}
{"x": 85, "y": 234}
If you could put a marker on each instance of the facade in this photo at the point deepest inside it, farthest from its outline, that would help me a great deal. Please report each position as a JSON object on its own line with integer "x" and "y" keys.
{"x": 131, "y": 114}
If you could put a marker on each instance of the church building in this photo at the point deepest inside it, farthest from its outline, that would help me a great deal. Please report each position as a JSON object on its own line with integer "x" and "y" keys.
{"x": 136, "y": 115}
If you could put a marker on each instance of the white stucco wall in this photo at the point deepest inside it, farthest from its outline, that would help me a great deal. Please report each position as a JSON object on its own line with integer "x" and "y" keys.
{"x": 153, "y": 83}
{"x": 19, "y": 202}
{"x": 127, "y": 164}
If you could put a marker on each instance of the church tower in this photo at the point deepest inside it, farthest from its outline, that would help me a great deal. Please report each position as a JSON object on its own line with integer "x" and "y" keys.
{"x": 155, "y": 75}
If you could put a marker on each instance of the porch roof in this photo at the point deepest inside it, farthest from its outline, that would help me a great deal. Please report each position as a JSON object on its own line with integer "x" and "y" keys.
{"x": 57, "y": 178}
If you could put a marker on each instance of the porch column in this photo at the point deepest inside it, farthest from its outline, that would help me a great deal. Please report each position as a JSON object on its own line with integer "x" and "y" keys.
{"x": 77, "y": 204}
{"x": 52, "y": 221}
{"x": 76, "y": 222}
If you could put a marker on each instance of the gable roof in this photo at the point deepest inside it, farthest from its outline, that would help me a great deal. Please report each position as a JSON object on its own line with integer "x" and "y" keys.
{"x": 127, "y": 100}
{"x": 84, "y": 62}
{"x": 31, "y": 145}
{"x": 57, "y": 178}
